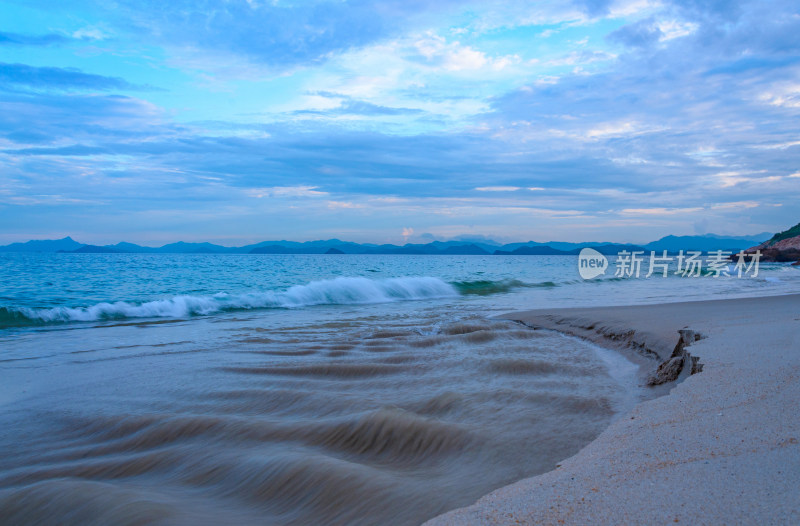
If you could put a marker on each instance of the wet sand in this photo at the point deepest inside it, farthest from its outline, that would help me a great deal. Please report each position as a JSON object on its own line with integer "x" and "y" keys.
{"x": 722, "y": 447}
{"x": 362, "y": 420}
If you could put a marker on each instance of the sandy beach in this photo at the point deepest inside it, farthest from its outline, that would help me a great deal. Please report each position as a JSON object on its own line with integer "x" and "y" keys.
{"x": 721, "y": 447}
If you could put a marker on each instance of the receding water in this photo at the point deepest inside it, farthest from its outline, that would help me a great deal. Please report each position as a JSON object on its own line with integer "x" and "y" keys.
{"x": 298, "y": 389}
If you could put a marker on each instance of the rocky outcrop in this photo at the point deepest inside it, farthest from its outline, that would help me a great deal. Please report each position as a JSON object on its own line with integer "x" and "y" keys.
{"x": 783, "y": 256}
{"x": 681, "y": 360}
{"x": 782, "y": 247}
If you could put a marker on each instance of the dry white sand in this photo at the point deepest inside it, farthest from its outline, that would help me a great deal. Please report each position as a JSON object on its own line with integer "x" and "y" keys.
{"x": 721, "y": 448}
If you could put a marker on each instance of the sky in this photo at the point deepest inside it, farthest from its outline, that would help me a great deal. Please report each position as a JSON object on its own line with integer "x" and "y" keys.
{"x": 397, "y": 121}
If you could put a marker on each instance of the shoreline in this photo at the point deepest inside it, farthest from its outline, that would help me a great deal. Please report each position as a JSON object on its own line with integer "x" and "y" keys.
{"x": 722, "y": 446}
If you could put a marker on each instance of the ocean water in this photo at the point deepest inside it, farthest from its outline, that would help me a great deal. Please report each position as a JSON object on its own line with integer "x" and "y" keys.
{"x": 299, "y": 389}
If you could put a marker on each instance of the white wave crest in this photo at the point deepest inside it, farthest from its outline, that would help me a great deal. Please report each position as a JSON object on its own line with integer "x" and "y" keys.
{"x": 339, "y": 291}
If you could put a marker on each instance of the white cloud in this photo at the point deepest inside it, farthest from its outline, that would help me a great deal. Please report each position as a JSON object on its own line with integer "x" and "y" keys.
{"x": 338, "y": 205}
{"x": 612, "y": 129}
{"x": 728, "y": 179}
{"x": 778, "y": 146}
{"x": 671, "y": 29}
{"x": 658, "y": 211}
{"x": 628, "y": 160}
{"x": 286, "y": 191}
{"x": 737, "y": 205}
{"x": 731, "y": 178}
{"x": 784, "y": 95}
{"x": 90, "y": 33}
{"x": 621, "y": 129}
{"x": 580, "y": 58}
{"x": 545, "y": 80}
{"x": 627, "y": 8}
{"x": 454, "y": 56}
{"x": 424, "y": 71}
{"x": 498, "y": 188}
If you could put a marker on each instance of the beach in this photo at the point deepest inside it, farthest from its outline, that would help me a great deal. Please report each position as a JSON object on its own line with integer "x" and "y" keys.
{"x": 722, "y": 447}
{"x": 205, "y": 389}
{"x": 367, "y": 263}
{"x": 312, "y": 389}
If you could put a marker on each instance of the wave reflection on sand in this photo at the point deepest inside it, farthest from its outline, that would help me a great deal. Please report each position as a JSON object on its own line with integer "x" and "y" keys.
{"x": 348, "y": 422}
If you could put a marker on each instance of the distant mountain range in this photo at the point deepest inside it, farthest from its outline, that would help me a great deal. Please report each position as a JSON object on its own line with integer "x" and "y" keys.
{"x": 705, "y": 243}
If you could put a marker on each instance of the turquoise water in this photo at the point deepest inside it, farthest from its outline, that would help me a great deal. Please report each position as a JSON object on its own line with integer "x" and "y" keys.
{"x": 299, "y": 389}
{"x": 205, "y": 284}
{"x": 50, "y": 288}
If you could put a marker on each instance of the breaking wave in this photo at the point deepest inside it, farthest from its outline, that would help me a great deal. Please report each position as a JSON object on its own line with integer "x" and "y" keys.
{"x": 339, "y": 291}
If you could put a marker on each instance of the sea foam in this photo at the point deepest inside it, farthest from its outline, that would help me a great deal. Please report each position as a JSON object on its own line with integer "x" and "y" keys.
{"x": 339, "y": 291}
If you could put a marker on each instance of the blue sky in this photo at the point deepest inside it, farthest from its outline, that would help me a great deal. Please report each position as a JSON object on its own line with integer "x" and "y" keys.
{"x": 244, "y": 120}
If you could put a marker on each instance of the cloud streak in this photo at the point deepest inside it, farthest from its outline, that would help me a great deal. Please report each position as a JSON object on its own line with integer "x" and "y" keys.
{"x": 49, "y": 78}
{"x": 16, "y": 39}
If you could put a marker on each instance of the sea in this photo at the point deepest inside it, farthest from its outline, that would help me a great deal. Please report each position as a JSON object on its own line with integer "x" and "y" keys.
{"x": 302, "y": 389}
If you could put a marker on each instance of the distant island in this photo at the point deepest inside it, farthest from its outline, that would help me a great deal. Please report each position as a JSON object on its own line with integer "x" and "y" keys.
{"x": 672, "y": 244}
